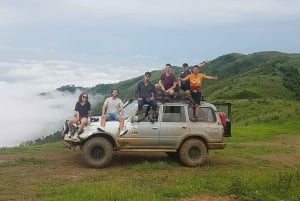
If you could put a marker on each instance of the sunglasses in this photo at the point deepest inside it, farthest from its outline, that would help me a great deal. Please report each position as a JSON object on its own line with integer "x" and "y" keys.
{"x": 84, "y": 97}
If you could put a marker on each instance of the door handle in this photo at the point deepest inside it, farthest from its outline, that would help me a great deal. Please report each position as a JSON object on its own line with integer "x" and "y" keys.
{"x": 184, "y": 127}
{"x": 154, "y": 127}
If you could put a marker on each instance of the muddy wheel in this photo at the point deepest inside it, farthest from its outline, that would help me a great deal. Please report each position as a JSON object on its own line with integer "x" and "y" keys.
{"x": 193, "y": 152}
{"x": 98, "y": 152}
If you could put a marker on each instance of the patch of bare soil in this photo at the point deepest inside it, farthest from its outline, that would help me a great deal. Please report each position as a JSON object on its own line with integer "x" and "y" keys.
{"x": 19, "y": 182}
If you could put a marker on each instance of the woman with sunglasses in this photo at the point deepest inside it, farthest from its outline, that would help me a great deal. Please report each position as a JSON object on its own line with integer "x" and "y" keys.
{"x": 82, "y": 113}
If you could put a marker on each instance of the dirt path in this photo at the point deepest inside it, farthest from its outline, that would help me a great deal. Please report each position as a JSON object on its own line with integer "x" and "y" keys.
{"x": 62, "y": 161}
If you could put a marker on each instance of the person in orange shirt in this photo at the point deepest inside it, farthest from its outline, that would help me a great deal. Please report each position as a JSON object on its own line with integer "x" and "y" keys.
{"x": 196, "y": 79}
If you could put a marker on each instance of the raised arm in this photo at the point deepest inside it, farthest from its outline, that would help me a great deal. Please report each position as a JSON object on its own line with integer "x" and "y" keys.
{"x": 211, "y": 77}
{"x": 203, "y": 63}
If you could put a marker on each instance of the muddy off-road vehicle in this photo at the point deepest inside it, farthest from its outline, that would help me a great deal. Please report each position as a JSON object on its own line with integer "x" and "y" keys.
{"x": 171, "y": 131}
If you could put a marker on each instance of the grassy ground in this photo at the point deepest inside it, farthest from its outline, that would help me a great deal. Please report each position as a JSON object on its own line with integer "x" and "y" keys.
{"x": 264, "y": 166}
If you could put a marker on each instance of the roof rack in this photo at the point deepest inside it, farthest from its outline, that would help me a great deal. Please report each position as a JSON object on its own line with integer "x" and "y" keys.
{"x": 177, "y": 98}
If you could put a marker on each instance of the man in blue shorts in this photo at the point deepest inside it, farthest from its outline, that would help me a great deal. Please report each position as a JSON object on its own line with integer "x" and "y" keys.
{"x": 112, "y": 110}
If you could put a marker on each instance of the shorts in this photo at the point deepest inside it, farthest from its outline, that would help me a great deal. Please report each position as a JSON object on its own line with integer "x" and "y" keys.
{"x": 185, "y": 87}
{"x": 196, "y": 97}
{"x": 112, "y": 117}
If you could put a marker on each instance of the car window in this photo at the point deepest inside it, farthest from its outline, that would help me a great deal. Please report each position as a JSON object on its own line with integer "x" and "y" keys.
{"x": 173, "y": 114}
{"x": 206, "y": 114}
{"x": 146, "y": 114}
{"x": 130, "y": 109}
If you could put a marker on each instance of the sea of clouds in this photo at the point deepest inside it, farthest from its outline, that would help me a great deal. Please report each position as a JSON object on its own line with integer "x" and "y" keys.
{"x": 27, "y": 115}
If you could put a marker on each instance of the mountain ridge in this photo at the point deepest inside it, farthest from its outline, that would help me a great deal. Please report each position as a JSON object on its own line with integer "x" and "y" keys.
{"x": 268, "y": 74}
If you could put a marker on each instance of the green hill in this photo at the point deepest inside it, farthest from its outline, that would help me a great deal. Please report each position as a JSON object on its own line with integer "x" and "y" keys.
{"x": 258, "y": 75}
{"x": 264, "y": 87}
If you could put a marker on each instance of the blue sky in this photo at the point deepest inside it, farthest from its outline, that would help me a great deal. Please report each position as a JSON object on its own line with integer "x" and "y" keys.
{"x": 47, "y": 44}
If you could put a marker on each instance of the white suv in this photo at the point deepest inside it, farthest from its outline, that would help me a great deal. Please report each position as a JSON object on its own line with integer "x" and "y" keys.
{"x": 171, "y": 131}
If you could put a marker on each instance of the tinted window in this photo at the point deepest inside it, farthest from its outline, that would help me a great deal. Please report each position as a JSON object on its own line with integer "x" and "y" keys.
{"x": 173, "y": 114}
{"x": 206, "y": 114}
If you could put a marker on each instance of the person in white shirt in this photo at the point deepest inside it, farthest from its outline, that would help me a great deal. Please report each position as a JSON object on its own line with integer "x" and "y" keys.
{"x": 113, "y": 110}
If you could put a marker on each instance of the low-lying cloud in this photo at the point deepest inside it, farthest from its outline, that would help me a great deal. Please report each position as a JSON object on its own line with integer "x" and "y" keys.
{"x": 26, "y": 115}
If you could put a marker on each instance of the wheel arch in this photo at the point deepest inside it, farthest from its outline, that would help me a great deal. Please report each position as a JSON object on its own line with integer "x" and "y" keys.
{"x": 103, "y": 135}
{"x": 201, "y": 138}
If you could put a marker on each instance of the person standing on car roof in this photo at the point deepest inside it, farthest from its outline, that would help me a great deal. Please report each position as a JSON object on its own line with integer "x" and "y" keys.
{"x": 82, "y": 115}
{"x": 196, "y": 79}
{"x": 112, "y": 110}
{"x": 146, "y": 93}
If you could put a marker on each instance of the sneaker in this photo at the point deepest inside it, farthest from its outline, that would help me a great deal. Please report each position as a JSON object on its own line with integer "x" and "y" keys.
{"x": 100, "y": 129}
{"x": 123, "y": 132}
{"x": 75, "y": 138}
{"x": 152, "y": 119}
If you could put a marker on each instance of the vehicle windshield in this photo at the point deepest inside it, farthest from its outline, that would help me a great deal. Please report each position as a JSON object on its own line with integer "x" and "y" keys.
{"x": 130, "y": 109}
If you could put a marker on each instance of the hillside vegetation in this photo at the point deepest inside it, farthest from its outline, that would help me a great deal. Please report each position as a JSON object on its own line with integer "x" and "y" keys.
{"x": 260, "y": 162}
{"x": 264, "y": 87}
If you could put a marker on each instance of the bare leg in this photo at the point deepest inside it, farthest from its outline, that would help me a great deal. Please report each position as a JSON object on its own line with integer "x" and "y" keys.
{"x": 71, "y": 122}
{"x": 188, "y": 95}
{"x": 158, "y": 87}
{"x": 83, "y": 123}
{"x": 171, "y": 92}
{"x": 121, "y": 120}
{"x": 197, "y": 110}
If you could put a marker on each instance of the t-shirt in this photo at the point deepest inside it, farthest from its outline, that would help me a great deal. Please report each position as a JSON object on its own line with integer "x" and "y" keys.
{"x": 196, "y": 81}
{"x": 145, "y": 91}
{"x": 113, "y": 105}
{"x": 83, "y": 109}
{"x": 185, "y": 84}
{"x": 168, "y": 81}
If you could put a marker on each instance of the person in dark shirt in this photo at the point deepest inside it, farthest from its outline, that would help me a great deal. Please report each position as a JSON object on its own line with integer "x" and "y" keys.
{"x": 82, "y": 115}
{"x": 185, "y": 85}
{"x": 167, "y": 82}
{"x": 146, "y": 93}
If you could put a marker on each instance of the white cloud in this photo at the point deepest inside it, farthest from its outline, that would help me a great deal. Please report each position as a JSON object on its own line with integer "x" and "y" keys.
{"x": 49, "y": 74}
{"x": 26, "y": 115}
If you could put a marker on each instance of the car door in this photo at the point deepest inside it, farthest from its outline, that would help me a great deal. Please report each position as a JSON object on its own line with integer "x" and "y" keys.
{"x": 207, "y": 125}
{"x": 143, "y": 133}
{"x": 173, "y": 125}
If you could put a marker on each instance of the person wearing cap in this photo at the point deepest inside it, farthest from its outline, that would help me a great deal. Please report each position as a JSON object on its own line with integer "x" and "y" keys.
{"x": 196, "y": 79}
{"x": 185, "y": 85}
{"x": 167, "y": 82}
{"x": 146, "y": 93}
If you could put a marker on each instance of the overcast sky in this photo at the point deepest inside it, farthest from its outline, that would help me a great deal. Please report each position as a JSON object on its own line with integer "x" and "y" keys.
{"x": 47, "y": 44}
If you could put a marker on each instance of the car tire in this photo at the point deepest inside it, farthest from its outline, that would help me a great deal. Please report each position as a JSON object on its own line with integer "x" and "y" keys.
{"x": 193, "y": 152}
{"x": 98, "y": 152}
